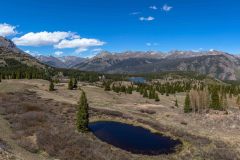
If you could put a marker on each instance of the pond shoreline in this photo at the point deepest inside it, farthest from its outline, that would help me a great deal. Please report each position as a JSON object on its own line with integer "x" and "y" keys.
{"x": 134, "y": 139}
{"x": 130, "y": 121}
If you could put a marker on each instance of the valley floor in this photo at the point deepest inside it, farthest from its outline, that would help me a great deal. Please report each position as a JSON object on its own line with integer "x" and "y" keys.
{"x": 38, "y": 124}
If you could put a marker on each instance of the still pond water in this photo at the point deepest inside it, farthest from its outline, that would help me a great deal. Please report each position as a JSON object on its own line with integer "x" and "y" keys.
{"x": 137, "y": 79}
{"x": 133, "y": 139}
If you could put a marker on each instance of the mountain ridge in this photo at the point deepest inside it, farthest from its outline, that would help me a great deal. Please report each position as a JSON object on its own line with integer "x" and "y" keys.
{"x": 217, "y": 64}
{"x": 8, "y": 50}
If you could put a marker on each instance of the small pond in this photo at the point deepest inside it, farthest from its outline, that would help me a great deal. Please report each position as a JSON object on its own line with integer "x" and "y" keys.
{"x": 137, "y": 79}
{"x": 133, "y": 139}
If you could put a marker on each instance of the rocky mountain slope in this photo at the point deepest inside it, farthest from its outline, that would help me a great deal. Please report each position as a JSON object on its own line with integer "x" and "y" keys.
{"x": 213, "y": 63}
{"x": 60, "y": 62}
{"x": 8, "y": 50}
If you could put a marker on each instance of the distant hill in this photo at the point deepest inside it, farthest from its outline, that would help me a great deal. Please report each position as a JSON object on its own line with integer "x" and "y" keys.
{"x": 216, "y": 64}
{"x": 60, "y": 62}
{"x": 8, "y": 50}
{"x": 16, "y": 64}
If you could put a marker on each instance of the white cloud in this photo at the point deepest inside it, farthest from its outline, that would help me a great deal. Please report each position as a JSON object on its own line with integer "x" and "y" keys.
{"x": 97, "y": 50}
{"x": 167, "y": 8}
{"x": 35, "y": 53}
{"x": 7, "y": 30}
{"x": 80, "y": 50}
{"x": 42, "y": 38}
{"x": 28, "y": 52}
{"x": 58, "y": 53}
{"x": 80, "y": 44}
{"x": 153, "y": 7}
{"x": 150, "y": 18}
{"x": 135, "y": 13}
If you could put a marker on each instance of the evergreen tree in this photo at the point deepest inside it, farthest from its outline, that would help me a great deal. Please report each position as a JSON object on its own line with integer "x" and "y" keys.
{"x": 187, "y": 107}
{"x": 156, "y": 97}
{"x": 176, "y": 103}
{"x": 215, "y": 101}
{"x": 141, "y": 90}
{"x": 75, "y": 82}
{"x": 70, "y": 84}
{"x": 123, "y": 89}
{"x": 51, "y": 86}
{"x": 114, "y": 88}
{"x": 82, "y": 114}
{"x": 238, "y": 101}
{"x": 107, "y": 86}
{"x": 167, "y": 94}
{"x": 129, "y": 90}
{"x": 152, "y": 94}
{"x": 145, "y": 93}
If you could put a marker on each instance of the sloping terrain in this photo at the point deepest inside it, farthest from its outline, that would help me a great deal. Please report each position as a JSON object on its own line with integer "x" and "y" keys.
{"x": 43, "y": 123}
{"x": 8, "y": 50}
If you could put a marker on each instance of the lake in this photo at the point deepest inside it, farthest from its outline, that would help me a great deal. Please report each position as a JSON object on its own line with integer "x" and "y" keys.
{"x": 137, "y": 79}
{"x": 133, "y": 139}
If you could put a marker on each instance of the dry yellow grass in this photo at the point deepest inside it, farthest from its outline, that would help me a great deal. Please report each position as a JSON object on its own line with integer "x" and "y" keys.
{"x": 215, "y": 126}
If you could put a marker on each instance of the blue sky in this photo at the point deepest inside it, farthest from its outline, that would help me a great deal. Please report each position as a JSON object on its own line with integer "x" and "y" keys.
{"x": 85, "y": 27}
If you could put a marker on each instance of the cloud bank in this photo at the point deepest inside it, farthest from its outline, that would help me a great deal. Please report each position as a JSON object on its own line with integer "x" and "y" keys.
{"x": 167, "y": 8}
{"x": 7, "y": 30}
{"x": 150, "y": 18}
{"x": 57, "y": 39}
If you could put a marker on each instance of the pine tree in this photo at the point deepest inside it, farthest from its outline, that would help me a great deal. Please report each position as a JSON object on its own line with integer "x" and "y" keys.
{"x": 129, "y": 90}
{"x": 156, "y": 97}
{"x": 75, "y": 82}
{"x": 167, "y": 94}
{"x": 238, "y": 101}
{"x": 107, "y": 86}
{"x": 51, "y": 86}
{"x": 176, "y": 103}
{"x": 145, "y": 93}
{"x": 123, "y": 89}
{"x": 187, "y": 107}
{"x": 215, "y": 101}
{"x": 114, "y": 88}
{"x": 82, "y": 114}
{"x": 70, "y": 84}
{"x": 141, "y": 90}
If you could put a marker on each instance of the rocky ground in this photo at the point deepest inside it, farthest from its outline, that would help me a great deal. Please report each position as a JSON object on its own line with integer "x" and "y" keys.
{"x": 39, "y": 124}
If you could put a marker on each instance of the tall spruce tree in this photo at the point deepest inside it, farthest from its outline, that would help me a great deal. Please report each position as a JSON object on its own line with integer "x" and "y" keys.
{"x": 176, "y": 103}
{"x": 187, "y": 107}
{"x": 82, "y": 114}
{"x": 215, "y": 100}
{"x": 75, "y": 83}
{"x": 238, "y": 101}
{"x": 129, "y": 90}
{"x": 70, "y": 84}
{"x": 156, "y": 97}
{"x": 51, "y": 86}
{"x": 145, "y": 93}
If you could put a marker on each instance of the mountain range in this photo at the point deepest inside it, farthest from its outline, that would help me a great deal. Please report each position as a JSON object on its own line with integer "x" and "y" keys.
{"x": 216, "y": 64}
{"x": 60, "y": 62}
